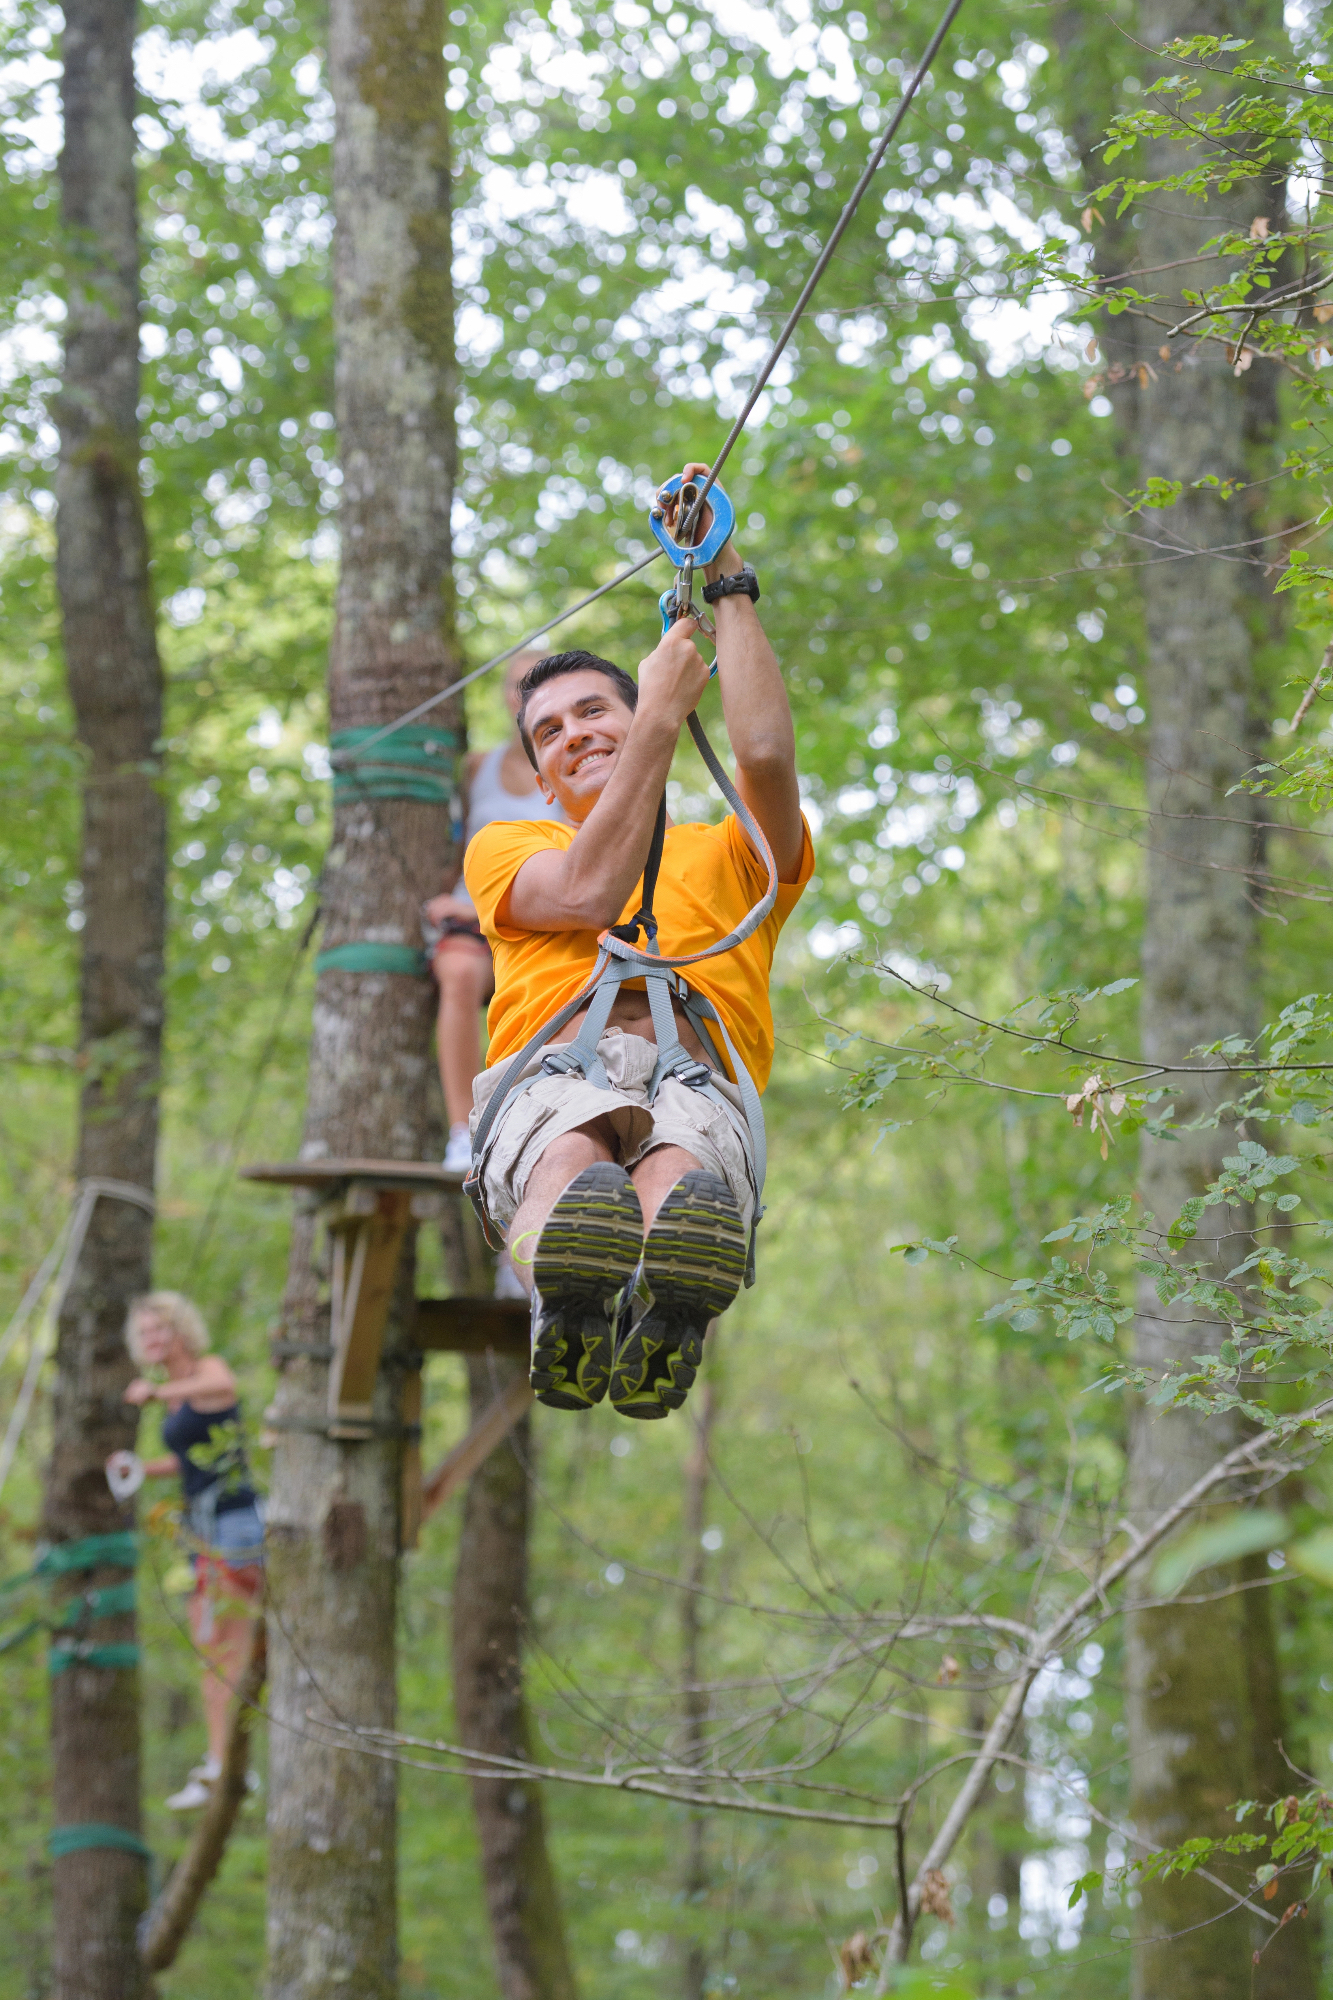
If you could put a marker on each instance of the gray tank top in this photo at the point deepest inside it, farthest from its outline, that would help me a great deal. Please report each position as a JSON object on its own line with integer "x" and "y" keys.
{"x": 488, "y": 799}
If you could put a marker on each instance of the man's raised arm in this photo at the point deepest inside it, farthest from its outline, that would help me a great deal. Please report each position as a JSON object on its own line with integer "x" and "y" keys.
{"x": 587, "y": 886}
{"x": 758, "y": 716}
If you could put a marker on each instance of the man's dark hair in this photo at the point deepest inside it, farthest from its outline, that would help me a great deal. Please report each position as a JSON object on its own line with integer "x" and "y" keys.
{"x": 553, "y": 667}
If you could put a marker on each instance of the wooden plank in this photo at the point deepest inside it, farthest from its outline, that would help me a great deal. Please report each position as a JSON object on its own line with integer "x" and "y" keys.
{"x": 327, "y": 1174}
{"x": 470, "y": 1326}
{"x": 365, "y": 1266}
{"x": 488, "y": 1431}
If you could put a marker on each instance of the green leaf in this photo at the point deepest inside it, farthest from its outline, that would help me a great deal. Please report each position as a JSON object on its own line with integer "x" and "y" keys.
{"x": 1313, "y": 1556}
{"x": 1078, "y": 1890}
{"x": 1242, "y": 1533}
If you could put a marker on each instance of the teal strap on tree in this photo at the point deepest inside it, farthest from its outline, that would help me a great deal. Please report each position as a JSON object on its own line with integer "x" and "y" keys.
{"x": 414, "y": 763}
{"x": 20, "y": 1635}
{"x": 96, "y": 1833}
{"x": 118, "y": 1551}
{"x": 365, "y": 956}
{"x": 108, "y": 1603}
{"x": 79, "y": 1653}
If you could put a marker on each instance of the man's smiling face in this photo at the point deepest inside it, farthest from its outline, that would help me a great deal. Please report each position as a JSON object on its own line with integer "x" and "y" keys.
{"x": 577, "y": 726}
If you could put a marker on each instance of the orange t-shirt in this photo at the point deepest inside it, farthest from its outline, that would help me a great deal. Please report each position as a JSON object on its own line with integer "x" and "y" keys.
{"x": 710, "y": 878}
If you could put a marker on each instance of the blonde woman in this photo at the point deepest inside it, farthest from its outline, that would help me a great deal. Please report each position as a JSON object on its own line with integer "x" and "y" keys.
{"x": 201, "y": 1430}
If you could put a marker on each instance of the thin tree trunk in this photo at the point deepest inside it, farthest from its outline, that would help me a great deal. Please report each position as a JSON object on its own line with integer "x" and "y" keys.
{"x": 1189, "y": 1689}
{"x": 176, "y": 1908}
{"x": 334, "y": 1519}
{"x": 694, "y": 1701}
{"x": 1287, "y": 1968}
{"x": 115, "y": 682}
{"x": 490, "y": 1609}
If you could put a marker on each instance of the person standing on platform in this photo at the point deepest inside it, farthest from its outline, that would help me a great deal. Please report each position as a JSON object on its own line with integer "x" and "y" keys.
{"x": 501, "y": 785}
{"x": 202, "y": 1432}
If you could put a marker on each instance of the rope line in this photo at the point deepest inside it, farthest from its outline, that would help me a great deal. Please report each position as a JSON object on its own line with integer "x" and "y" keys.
{"x": 825, "y": 257}
{"x": 343, "y": 758}
{"x": 87, "y": 1194}
{"x": 340, "y": 758}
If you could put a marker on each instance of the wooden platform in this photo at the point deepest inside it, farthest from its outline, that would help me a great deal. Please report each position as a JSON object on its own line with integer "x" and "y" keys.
{"x": 370, "y": 1208}
{"x": 327, "y": 1175}
{"x": 469, "y": 1326}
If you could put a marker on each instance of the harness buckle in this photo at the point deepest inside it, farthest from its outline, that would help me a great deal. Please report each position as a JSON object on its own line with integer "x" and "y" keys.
{"x": 689, "y": 1070}
{"x": 562, "y": 1061}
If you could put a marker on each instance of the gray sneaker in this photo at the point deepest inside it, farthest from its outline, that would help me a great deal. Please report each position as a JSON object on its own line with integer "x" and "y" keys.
{"x": 588, "y": 1250}
{"x": 693, "y": 1265}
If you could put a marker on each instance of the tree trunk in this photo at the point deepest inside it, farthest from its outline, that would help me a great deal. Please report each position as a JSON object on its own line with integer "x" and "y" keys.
{"x": 1287, "y": 1968}
{"x": 115, "y": 681}
{"x": 334, "y": 1517}
{"x": 490, "y": 1614}
{"x": 694, "y": 1700}
{"x": 1190, "y": 1720}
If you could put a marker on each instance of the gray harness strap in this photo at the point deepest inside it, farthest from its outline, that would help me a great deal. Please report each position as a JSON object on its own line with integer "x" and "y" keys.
{"x": 617, "y": 961}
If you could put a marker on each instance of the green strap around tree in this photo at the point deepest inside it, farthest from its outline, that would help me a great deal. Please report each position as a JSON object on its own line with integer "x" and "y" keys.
{"x": 96, "y": 1833}
{"x": 118, "y": 1551}
{"x": 80, "y": 1655}
{"x": 71, "y": 1652}
{"x": 414, "y": 763}
{"x": 108, "y": 1603}
{"x": 366, "y": 956}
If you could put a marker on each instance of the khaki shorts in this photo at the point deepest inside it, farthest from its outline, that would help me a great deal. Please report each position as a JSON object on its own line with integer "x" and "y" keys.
{"x": 716, "y": 1134}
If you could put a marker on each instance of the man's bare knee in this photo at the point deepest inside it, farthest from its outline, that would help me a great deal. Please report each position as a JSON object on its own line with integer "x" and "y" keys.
{"x": 569, "y": 1155}
{"x": 462, "y": 978}
{"x": 656, "y": 1174}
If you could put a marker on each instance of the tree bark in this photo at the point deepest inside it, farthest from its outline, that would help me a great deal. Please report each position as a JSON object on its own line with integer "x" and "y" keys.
{"x": 490, "y": 1615}
{"x": 694, "y": 1700}
{"x": 176, "y": 1908}
{"x": 334, "y": 1517}
{"x": 1190, "y": 1711}
{"x": 115, "y": 682}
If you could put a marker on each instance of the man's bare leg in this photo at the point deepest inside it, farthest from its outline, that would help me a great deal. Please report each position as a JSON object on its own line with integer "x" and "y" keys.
{"x": 656, "y": 1174}
{"x": 693, "y": 1265}
{"x": 563, "y": 1159}
{"x": 463, "y": 973}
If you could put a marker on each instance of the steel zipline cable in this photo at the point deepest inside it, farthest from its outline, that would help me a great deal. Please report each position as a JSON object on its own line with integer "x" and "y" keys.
{"x": 343, "y": 758}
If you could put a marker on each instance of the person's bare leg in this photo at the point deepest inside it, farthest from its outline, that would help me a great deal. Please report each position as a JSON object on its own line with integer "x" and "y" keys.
{"x": 466, "y": 982}
{"x": 563, "y": 1159}
{"x": 656, "y": 1174}
{"x": 225, "y": 1655}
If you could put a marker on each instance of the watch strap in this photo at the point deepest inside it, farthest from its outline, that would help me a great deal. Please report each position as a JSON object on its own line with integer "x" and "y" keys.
{"x": 746, "y": 584}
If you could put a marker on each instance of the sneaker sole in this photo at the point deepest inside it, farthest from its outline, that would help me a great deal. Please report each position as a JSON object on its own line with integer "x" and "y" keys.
{"x": 589, "y": 1248}
{"x": 693, "y": 1265}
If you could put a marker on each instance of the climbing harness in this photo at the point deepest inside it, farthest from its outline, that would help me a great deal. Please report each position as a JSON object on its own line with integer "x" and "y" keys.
{"x": 619, "y": 959}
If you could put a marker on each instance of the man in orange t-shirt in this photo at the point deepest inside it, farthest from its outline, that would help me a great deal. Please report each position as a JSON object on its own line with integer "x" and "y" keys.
{"x": 629, "y": 1217}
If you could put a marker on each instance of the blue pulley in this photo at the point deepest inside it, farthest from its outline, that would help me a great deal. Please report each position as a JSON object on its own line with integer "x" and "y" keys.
{"x": 724, "y": 520}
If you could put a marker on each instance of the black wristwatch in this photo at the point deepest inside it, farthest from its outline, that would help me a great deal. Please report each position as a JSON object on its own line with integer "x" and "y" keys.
{"x": 744, "y": 585}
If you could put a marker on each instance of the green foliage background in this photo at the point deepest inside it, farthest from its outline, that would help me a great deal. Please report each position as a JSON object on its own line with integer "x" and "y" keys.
{"x": 931, "y": 502}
